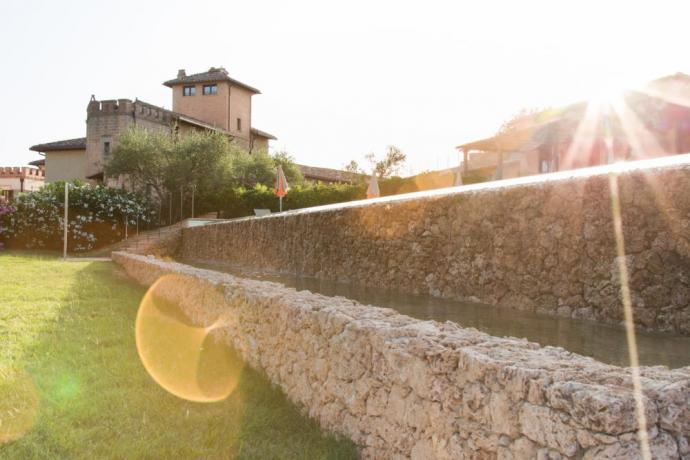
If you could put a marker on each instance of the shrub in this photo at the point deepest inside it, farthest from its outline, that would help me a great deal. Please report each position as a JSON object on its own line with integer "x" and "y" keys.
{"x": 241, "y": 202}
{"x": 97, "y": 217}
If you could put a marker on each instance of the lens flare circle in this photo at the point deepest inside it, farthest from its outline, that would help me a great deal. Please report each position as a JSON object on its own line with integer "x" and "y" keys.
{"x": 184, "y": 359}
{"x": 19, "y": 401}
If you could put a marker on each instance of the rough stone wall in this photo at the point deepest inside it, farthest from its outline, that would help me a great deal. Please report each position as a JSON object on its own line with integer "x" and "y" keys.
{"x": 533, "y": 245}
{"x": 107, "y": 120}
{"x": 401, "y": 387}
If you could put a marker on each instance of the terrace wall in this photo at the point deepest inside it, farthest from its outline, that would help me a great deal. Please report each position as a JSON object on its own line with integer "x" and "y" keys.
{"x": 531, "y": 244}
{"x": 401, "y": 387}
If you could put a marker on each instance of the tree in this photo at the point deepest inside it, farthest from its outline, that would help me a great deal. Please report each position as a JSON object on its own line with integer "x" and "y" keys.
{"x": 247, "y": 170}
{"x": 293, "y": 173}
{"x": 391, "y": 164}
{"x": 520, "y": 119}
{"x": 144, "y": 157}
{"x": 352, "y": 167}
{"x": 355, "y": 172}
{"x": 205, "y": 161}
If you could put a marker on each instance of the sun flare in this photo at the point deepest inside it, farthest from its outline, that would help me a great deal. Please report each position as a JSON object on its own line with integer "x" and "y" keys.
{"x": 185, "y": 359}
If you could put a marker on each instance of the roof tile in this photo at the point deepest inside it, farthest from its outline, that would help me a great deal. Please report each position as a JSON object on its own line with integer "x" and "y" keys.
{"x": 214, "y": 74}
{"x": 67, "y": 144}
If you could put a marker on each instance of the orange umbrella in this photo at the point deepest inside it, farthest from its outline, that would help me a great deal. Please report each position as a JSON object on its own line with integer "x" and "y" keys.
{"x": 373, "y": 189}
{"x": 281, "y": 187}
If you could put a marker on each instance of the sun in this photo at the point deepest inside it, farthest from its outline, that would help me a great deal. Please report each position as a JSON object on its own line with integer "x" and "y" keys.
{"x": 605, "y": 95}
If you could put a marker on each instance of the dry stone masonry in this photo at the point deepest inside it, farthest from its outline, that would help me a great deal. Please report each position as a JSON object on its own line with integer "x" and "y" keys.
{"x": 545, "y": 246}
{"x": 401, "y": 387}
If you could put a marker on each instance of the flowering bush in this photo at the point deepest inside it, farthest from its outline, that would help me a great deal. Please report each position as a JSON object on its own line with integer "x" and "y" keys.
{"x": 97, "y": 217}
{"x": 5, "y": 209}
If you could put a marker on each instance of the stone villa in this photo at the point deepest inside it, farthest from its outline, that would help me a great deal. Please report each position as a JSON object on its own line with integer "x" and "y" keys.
{"x": 208, "y": 100}
{"x": 576, "y": 136}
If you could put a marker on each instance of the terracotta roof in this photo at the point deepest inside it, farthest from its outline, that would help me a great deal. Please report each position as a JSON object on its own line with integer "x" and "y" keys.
{"x": 212, "y": 75}
{"x": 68, "y": 144}
{"x": 327, "y": 174}
{"x": 260, "y": 133}
{"x": 80, "y": 143}
{"x": 511, "y": 141}
{"x": 201, "y": 123}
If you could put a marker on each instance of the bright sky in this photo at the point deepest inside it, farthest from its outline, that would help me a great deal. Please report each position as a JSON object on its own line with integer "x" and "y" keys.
{"x": 339, "y": 80}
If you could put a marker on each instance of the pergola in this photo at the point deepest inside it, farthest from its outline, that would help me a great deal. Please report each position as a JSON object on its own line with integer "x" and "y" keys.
{"x": 519, "y": 140}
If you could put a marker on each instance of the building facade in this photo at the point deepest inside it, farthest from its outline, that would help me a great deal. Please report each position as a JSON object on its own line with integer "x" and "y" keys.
{"x": 204, "y": 101}
{"x": 17, "y": 180}
{"x": 648, "y": 122}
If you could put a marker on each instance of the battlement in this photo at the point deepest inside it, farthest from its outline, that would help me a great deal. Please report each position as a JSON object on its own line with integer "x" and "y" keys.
{"x": 110, "y": 106}
{"x": 152, "y": 112}
{"x": 22, "y": 172}
{"x": 136, "y": 108}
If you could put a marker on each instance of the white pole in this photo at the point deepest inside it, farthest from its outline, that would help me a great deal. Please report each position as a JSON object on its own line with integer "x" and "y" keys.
{"x": 66, "y": 223}
{"x": 193, "y": 190}
{"x": 281, "y": 204}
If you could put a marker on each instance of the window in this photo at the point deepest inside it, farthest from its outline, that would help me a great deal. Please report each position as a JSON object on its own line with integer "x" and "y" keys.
{"x": 210, "y": 89}
{"x": 239, "y": 124}
{"x": 544, "y": 166}
{"x": 107, "y": 146}
{"x": 189, "y": 91}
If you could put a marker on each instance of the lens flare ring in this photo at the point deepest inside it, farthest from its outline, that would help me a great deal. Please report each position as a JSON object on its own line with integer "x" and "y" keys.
{"x": 184, "y": 359}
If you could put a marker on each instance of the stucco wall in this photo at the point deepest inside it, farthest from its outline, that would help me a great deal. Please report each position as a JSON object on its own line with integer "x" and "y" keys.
{"x": 404, "y": 387}
{"x": 531, "y": 243}
{"x": 65, "y": 165}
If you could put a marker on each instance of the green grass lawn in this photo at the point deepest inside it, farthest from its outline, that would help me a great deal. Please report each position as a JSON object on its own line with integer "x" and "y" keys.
{"x": 67, "y": 329}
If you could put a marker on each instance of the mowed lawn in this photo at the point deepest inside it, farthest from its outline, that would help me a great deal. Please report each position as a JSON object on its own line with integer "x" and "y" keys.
{"x": 67, "y": 352}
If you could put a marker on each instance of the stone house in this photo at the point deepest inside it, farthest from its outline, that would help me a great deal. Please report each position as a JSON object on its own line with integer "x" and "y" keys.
{"x": 209, "y": 100}
{"x": 17, "y": 180}
{"x": 644, "y": 123}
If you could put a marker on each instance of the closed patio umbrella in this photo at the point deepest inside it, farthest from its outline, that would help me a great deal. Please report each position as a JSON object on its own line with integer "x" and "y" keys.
{"x": 281, "y": 187}
{"x": 373, "y": 189}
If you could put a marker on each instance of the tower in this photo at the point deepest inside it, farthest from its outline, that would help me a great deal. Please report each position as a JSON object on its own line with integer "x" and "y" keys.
{"x": 215, "y": 98}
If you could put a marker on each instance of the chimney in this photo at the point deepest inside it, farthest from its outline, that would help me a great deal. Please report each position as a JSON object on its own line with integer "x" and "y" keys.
{"x": 181, "y": 73}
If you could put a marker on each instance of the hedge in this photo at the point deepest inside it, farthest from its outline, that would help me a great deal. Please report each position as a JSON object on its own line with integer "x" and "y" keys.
{"x": 241, "y": 202}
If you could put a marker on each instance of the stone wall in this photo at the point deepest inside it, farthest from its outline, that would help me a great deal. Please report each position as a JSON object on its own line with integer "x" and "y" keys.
{"x": 401, "y": 387}
{"x": 543, "y": 244}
